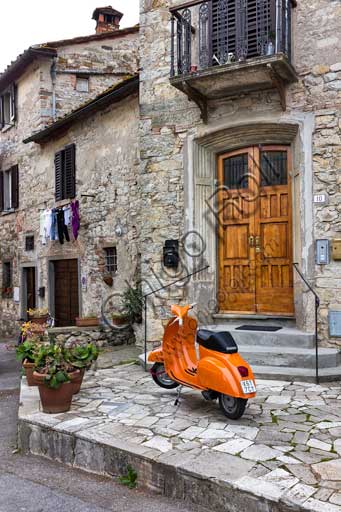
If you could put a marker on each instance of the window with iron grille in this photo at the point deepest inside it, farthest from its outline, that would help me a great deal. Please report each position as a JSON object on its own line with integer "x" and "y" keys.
{"x": 110, "y": 260}
{"x": 29, "y": 243}
{"x": 7, "y": 285}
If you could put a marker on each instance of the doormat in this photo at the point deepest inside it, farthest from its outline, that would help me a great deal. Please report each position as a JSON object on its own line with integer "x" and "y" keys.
{"x": 269, "y": 328}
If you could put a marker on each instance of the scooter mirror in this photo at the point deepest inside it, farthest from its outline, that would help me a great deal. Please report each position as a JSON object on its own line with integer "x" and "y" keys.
{"x": 193, "y": 305}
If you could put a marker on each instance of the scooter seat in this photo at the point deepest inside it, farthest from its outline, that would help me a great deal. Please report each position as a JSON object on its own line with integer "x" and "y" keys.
{"x": 217, "y": 341}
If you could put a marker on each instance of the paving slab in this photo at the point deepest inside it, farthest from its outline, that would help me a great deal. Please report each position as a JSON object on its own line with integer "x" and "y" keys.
{"x": 278, "y": 453}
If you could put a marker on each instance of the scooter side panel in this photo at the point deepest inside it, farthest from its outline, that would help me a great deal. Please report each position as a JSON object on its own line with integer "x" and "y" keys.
{"x": 222, "y": 377}
{"x": 156, "y": 356}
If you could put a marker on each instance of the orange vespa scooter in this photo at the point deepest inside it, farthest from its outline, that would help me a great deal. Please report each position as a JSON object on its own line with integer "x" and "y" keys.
{"x": 218, "y": 372}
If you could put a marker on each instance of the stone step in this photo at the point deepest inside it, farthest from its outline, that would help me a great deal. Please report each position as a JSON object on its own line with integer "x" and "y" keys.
{"x": 297, "y": 374}
{"x": 290, "y": 357}
{"x": 285, "y": 337}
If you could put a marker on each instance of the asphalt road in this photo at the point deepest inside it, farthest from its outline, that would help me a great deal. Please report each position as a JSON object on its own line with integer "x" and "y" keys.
{"x": 34, "y": 484}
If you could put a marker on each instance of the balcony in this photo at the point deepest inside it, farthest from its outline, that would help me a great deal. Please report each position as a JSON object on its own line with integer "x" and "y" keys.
{"x": 223, "y": 48}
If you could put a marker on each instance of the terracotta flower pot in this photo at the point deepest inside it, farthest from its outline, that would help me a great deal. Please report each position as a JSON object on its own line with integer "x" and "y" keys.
{"x": 87, "y": 322}
{"x": 41, "y": 320}
{"x": 55, "y": 400}
{"x": 77, "y": 382}
{"x": 29, "y": 369}
{"x": 120, "y": 320}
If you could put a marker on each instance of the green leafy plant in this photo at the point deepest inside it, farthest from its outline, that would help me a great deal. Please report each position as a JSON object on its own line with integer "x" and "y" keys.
{"x": 27, "y": 350}
{"x": 132, "y": 303}
{"x": 51, "y": 361}
{"x": 130, "y": 479}
{"x": 82, "y": 356}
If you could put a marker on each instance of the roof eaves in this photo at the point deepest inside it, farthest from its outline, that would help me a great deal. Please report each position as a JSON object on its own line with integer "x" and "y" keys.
{"x": 111, "y": 95}
{"x": 93, "y": 37}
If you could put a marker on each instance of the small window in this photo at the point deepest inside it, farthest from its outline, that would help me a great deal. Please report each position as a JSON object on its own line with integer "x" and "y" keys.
{"x": 9, "y": 189}
{"x": 65, "y": 173}
{"x": 111, "y": 260}
{"x": 82, "y": 84}
{"x": 236, "y": 172}
{"x": 29, "y": 243}
{"x": 8, "y": 107}
{"x": 274, "y": 168}
{"x": 7, "y": 285}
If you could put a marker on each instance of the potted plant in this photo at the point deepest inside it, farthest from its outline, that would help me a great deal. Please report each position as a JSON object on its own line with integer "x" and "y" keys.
{"x": 119, "y": 318}
{"x": 132, "y": 303}
{"x": 81, "y": 358}
{"x": 90, "y": 320}
{"x": 38, "y": 316}
{"x": 270, "y": 45}
{"x": 54, "y": 376}
{"x": 26, "y": 354}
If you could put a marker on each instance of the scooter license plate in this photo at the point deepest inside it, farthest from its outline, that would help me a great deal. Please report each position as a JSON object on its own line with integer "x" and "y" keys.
{"x": 248, "y": 386}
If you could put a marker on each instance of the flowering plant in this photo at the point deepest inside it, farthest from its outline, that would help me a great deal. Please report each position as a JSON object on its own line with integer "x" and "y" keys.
{"x": 38, "y": 312}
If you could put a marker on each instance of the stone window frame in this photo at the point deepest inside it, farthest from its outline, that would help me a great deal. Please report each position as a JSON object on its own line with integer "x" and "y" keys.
{"x": 29, "y": 243}
{"x": 8, "y": 107}
{"x": 82, "y": 79}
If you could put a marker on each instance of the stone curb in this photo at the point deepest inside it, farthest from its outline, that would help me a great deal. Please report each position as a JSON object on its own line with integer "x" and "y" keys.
{"x": 165, "y": 473}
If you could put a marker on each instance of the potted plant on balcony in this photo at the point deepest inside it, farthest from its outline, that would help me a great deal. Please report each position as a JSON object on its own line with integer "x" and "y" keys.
{"x": 25, "y": 353}
{"x": 81, "y": 358}
{"x": 270, "y": 45}
{"x": 38, "y": 316}
{"x": 90, "y": 320}
{"x": 54, "y": 376}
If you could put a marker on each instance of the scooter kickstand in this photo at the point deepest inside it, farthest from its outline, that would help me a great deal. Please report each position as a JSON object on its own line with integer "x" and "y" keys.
{"x": 177, "y": 401}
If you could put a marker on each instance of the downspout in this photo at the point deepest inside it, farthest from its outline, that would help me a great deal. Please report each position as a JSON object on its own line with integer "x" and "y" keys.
{"x": 53, "y": 73}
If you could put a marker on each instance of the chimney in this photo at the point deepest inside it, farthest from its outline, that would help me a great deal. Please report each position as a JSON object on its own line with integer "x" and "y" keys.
{"x": 107, "y": 19}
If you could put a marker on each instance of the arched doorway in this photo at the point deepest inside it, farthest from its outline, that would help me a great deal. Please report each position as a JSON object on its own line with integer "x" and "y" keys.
{"x": 255, "y": 272}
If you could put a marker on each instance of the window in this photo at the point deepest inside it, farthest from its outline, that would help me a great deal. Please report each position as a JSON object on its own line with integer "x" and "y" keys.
{"x": 9, "y": 189}
{"x": 82, "y": 84}
{"x": 7, "y": 285}
{"x": 111, "y": 260}
{"x": 29, "y": 243}
{"x": 8, "y": 107}
{"x": 65, "y": 173}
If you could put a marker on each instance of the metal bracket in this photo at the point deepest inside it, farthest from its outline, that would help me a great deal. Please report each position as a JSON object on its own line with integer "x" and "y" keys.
{"x": 198, "y": 98}
{"x": 279, "y": 85}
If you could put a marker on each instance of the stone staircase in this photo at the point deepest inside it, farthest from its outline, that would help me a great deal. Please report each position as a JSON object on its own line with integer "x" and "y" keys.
{"x": 287, "y": 354}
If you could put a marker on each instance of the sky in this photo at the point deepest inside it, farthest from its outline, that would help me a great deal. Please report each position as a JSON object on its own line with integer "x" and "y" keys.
{"x": 37, "y": 21}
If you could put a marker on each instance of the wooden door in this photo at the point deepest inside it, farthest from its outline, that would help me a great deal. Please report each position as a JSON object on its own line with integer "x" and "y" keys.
{"x": 255, "y": 231}
{"x": 66, "y": 292}
{"x": 30, "y": 284}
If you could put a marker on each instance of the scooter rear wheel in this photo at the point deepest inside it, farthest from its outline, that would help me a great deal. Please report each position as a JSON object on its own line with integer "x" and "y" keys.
{"x": 161, "y": 378}
{"x": 232, "y": 407}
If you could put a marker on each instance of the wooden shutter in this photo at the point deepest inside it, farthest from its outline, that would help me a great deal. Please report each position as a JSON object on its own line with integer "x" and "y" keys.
{"x": 58, "y": 164}
{"x": 13, "y": 92}
{"x": 2, "y": 122}
{"x": 260, "y": 25}
{"x": 2, "y": 204}
{"x": 70, "y": 171}
{"x": 15, "y": 186}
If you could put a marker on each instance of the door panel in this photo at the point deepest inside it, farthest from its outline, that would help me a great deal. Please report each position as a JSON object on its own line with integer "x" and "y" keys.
{"x": 66, "y": 292}
{"x": 255, "y": 231}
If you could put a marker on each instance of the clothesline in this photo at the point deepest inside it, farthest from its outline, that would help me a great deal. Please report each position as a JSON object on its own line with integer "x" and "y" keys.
{"x": 56, "y": 222}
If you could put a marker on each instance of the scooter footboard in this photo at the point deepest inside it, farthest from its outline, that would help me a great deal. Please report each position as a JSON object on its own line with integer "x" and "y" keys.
{"x": 221, "y": 377}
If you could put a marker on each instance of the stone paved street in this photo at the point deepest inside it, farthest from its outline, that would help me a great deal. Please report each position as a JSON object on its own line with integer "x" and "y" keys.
{"x": 287, "y": 446}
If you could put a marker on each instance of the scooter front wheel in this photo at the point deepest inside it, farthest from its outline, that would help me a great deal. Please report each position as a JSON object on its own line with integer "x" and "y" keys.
{"x": 161, "y": 377}
{"x": 232, "y": 407}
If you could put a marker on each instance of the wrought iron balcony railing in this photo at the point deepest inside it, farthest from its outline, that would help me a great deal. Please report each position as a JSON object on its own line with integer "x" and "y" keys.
{"x": 219, "y": 32}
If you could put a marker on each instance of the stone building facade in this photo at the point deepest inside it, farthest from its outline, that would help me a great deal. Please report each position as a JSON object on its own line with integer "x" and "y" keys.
{"x": 50, "y": 81}
{"x": 189, "y": 121}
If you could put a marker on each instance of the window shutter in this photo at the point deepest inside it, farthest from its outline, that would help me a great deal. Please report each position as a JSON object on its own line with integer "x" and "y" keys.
{"x": 70, "y": 171}
{"x": 1, "y": 112}
{"x": 58, "y": 163}
{"x": 13, "y": 102}
{"x": 1, "y": 191}
{"x": 15, "y": 186}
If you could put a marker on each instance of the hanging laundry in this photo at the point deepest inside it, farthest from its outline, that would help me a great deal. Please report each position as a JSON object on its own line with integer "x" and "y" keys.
{"x": 42, "y": 232}
{"x": 54, "y": 227}
{"x": 67, "y": 215}
{"x": 62, "y": 229}
{"x": 45, "y": 225}
{"x": 75, "y": 218}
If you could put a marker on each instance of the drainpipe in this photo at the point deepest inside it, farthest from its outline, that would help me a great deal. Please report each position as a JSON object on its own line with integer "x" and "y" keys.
{"x": 53, "y": 73}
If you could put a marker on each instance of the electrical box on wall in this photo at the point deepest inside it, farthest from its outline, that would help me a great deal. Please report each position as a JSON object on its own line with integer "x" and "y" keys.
{"x": 336, "y": 249}
{"x": 171, "y": 254}
{"x": 322, "y": 252}
{"x": 335, "y": 324}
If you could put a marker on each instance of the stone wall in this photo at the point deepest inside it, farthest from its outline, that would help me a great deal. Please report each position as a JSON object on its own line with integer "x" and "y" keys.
{"x": 170, "y": 126}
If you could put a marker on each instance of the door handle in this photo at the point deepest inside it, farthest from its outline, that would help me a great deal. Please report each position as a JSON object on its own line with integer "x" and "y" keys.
{"x": 251, "y": 241}
{"x": 258, "y": 244}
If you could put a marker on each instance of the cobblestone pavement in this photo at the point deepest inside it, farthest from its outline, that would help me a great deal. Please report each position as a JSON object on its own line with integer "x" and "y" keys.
{"x": 287, "y": 445}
